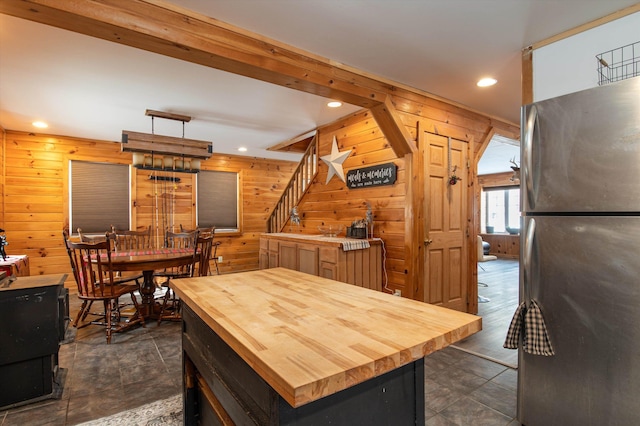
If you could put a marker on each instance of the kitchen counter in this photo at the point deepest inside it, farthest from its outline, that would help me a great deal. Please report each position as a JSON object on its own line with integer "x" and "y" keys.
{"x": 309, "y": 338}
{"x": 349, "y": 260}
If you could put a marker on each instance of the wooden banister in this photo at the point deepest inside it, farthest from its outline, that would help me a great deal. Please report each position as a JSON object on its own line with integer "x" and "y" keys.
{"x": 296, "y": 188}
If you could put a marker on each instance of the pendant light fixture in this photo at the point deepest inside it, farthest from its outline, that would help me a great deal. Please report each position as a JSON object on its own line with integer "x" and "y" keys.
{"x": 156, "y": 152}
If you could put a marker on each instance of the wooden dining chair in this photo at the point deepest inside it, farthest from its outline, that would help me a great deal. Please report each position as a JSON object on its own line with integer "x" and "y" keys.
{"x": 131, "y": 240}
{"x": 91, "y": 266}
{"x": 200, "y": 263}
{"x": 170, "y": 304}
{"x": 128, "y": 241}
{"x": 214, "y": 254}
{"x": 202, "y": 257}
{"x": 91, "y": 238}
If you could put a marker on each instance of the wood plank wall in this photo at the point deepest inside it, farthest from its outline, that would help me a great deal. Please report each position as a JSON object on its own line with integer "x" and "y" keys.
{"x": 35, "y": 197}
{"x": 334, "y": 203}
{"x": 36, "y": 203}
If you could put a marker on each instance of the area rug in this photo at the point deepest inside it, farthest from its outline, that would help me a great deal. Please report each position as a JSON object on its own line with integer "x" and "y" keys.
{"x": 166, "y": 412}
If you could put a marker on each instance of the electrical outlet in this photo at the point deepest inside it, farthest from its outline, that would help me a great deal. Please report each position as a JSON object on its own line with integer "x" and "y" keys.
{"x": 219, "y": 259}
{"x": 397, "y": 293}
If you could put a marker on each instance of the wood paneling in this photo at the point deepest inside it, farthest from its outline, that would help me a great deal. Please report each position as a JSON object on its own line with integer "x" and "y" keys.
{"x": 503, "y": 245}
{"x": 324, "y": 258}
{"x": 35, "y": 198}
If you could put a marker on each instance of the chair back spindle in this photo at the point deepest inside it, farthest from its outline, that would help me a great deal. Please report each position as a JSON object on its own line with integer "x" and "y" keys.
{"x": 132, "y": 240}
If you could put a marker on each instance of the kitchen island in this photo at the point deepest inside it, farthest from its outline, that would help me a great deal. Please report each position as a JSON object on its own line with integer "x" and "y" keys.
{"x": 278, "y": 346}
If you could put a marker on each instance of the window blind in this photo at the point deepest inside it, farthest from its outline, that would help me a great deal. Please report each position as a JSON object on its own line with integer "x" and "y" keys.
{"x": 217, "y": 199}
{"x": 99, "y": 196}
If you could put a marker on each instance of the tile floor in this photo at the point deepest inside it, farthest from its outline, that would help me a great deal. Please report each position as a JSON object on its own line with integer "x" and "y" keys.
{"x": 144, "y": 365}
{"x": 463, "y": 389}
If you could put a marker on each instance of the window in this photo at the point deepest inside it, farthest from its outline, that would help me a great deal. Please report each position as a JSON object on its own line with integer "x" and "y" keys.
{"x": 217, "y": 200}
{"x": 99, "y": 196}
{"x": 501, "y": 208}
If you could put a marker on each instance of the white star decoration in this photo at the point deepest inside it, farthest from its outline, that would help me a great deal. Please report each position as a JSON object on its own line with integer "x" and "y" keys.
{"x": 334, "y": 161}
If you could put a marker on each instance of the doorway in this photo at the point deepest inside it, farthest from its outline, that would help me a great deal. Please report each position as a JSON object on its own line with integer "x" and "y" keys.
{"x": 501, "y": 279}
{"x": 498, "y": 280}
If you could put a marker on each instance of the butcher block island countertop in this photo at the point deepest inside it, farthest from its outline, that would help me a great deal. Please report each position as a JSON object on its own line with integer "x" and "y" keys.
{"x": 309, "y": 337}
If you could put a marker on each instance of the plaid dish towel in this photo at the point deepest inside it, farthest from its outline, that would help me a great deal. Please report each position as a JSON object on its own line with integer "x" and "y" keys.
{"x": 536, "y": 338}
{"x": 515, "y": 328}
{"x": 529, "y": 323}
{"x": 355, "y": 245}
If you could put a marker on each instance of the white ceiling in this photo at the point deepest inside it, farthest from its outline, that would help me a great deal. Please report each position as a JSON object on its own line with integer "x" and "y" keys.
{"x": 91, "y": 88}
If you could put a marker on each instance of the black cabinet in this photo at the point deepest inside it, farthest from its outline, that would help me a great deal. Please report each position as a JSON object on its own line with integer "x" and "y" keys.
{"x": 33, "y": 320}
{"x": 221, "y": 388}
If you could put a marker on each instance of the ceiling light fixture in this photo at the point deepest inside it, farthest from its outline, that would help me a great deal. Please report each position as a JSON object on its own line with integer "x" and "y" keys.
{"x": 486, "y": 82}
{"x": 334, "y": 104}
{"x": 40, "y": 124}
{"x": 242, "y": 149}
{"x": 166, "y": 152}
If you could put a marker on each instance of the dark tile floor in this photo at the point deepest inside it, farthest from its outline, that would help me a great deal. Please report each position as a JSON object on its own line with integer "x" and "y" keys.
{"x": 144, "y": 365}
{"x": 140, "y": 365}
{"x": 463, "y": 389}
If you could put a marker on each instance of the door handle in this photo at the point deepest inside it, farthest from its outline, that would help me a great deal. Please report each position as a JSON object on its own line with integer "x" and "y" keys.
{"x": 428, "y": 241}
{"x": 530, "y": 121}
{"x": 526, "y": 260}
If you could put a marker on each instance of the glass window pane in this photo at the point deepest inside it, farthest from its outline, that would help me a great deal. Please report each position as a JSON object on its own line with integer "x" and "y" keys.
{"x": 495, "y": 210}
{"x": 513, "y": 211}
{"x": 500, "y": 208}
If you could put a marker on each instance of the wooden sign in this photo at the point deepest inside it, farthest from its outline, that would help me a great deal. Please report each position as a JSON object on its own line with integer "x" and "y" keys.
{"x": 366, "y": 177}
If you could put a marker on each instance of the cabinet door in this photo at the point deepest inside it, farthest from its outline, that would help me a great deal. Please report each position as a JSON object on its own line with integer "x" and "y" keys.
{"x": 264, "y": 259}
{"x": 329, "y": 270}
{"x": 287, "y": 256}
{"x": 273, "y": 247}
{"x": 308, "y": 259}
{"x": 329, "y": 263}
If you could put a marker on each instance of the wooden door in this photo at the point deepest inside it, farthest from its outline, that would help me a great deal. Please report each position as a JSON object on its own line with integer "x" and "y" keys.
{"x": 445, "y": 254}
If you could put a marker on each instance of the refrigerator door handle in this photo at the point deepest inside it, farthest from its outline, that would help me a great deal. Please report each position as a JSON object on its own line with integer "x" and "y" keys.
{"x": 527, "y": 146}
{"x": 526, "y": 259}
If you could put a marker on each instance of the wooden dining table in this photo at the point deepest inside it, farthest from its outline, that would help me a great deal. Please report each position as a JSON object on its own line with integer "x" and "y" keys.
{"x": 148, "y": 261}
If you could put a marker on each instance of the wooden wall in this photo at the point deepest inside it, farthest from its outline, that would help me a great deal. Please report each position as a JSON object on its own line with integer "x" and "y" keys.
{"x": 36, "y": 200}
{"x": 335, "y": 203}
{"x": 35, "y": 197}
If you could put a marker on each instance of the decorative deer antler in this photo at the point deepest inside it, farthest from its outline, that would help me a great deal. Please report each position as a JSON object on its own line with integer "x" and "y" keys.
{"x": 516, "y": 170}
{"x": 515, "y": 166}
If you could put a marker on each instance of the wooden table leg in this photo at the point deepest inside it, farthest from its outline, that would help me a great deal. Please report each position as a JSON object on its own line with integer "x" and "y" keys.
{"x": 146, "y": 292}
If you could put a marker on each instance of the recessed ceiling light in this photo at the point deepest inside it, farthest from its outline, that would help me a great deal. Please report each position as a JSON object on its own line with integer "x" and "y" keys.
{"x": 242, "y": 149}
{"x": 486, "y": 82}
{"x": 334, "y": 104}
{"x": 40, "y": 124}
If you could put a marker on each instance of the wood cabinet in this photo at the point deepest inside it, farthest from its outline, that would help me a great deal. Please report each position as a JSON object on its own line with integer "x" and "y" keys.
{"x": 324, "y": 257}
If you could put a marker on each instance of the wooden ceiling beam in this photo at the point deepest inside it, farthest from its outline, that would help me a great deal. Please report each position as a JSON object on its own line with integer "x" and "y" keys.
{"x": 170, "y": 30}
{"x": 163, "y": 28}
{"x": 393, "y": 128}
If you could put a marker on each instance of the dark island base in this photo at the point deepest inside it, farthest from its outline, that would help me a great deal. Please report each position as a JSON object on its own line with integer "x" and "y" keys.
{"x": 221, "y": 388}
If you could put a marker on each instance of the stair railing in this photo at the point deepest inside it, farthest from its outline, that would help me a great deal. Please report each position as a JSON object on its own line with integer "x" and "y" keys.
{"x": 296, "y": 188}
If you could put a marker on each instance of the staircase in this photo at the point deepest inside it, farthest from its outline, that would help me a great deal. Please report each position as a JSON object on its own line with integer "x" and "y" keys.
{"x": 296, "y": 188}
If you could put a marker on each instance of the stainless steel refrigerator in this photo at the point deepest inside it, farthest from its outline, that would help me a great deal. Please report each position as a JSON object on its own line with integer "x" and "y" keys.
{"x": 580, "y": 256}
